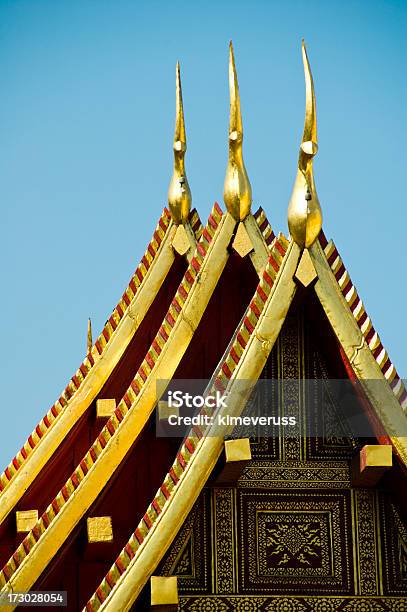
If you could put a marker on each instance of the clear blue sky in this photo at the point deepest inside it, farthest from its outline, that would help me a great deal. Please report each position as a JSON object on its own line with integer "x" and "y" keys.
{"x": 86, "y": 128}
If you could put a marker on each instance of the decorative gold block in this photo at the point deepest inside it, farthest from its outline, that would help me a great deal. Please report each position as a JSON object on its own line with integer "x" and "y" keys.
{"x": 25, "y": 520}
{"x": 164, "y": 592}
{"x": 242, "y": 243}
{"x": 306, "y": 272}
{"x": 181, "y": 243}
{"x": 376, "y": 455}
{"x": 235, "y": 457}
{"x": 99, "y": 529}
{"x": 238, "y": 450}
{"x": 105, "y": 408}
{"x": 370, "y": 464}
{"x": 165, "y": 411}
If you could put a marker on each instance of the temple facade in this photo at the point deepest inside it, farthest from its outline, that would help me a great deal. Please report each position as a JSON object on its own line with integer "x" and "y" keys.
{"x": 106, "y": 502}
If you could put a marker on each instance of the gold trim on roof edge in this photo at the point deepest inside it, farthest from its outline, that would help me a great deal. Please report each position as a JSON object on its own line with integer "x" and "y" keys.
{"x": 367, "y": 369}
{"x": 179, "y": 193}
{"x": 96, "y": 367}
{"x": 304, "y": 211}
{"x": 244, "y": 361}
{"x": 364, "y": 322}
{"x": 115, "y": 439}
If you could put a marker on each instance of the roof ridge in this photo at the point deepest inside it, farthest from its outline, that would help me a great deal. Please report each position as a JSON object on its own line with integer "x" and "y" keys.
{"x": 364, "y": 322}
{"x": 124, "y": 405}
{"x": 99, "y": 345}
{"x": 229, "y": 362}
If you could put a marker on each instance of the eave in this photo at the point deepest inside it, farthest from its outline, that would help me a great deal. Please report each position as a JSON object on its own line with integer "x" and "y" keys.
{"x": 97, "y": 366}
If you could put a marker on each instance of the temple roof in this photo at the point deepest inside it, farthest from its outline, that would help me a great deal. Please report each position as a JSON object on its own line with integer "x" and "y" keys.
{"x": 160, "y": 362}
{"x": 244, "y": 360}
{"x": 306, "y": 260}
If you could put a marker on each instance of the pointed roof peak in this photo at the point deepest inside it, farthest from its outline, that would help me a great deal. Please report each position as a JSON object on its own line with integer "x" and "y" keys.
{"x": 304, "y": 211}
{"x": 237, "y": 192}
{"x": 179, "y": 193}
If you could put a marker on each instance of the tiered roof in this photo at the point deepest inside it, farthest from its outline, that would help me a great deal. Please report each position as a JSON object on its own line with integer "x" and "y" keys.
{"x": 277, "y": 262}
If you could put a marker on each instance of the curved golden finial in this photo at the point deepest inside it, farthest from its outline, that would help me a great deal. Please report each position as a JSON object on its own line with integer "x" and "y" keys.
{"x": 179, "y": 194}
{"x": 237, "y": 192}
{"x": 89, "y": 336}
{"x": 304, "y": 211}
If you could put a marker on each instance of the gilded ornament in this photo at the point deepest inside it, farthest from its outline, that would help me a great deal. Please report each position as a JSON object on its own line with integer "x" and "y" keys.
{"x": 89, "y": 336}
{"x": 179, "y": 193}
{"x": 237, "y": 192}
{"x": 306, "y": 273}
{"x": 304, "y": 211}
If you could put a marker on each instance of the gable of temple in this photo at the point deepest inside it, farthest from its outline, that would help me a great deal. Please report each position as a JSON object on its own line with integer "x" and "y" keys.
{"x": 293, "y": 527}
{"x": 308, "y": 517}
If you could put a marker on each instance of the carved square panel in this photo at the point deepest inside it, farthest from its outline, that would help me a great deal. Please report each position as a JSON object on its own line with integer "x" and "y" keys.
{"x": 295, "y": 542}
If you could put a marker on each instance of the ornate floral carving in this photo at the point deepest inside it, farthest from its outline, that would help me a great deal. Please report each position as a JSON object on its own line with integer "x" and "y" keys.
{"x": 295, "y": 542}
{"x": 296, "y": 474}
{"x": 285, "y": 604}
{"x": 366, "y": 539}
{"x": 363, "y": 605}
{"x": 394, "y": 547}
{"x": 205, "y": 604}
{"x": 236, "y": 603}
{"x": 224, "y": 544}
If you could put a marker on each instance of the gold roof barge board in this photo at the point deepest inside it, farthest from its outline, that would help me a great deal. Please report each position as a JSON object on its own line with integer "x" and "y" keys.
{"x": 361, "y": 344}
{"x": 243, "y": 361}
{"x": 133, "y": 411}
{"x": 97, "y": 366}
{"x": 68, "y": 517}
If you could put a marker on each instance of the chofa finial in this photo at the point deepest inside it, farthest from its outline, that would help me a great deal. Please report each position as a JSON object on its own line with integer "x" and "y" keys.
{"x": 89, "y": 342}
{"x": 179, "y": 194}
{"x": 304, "y": 211}
{"x": 237, "y": 192}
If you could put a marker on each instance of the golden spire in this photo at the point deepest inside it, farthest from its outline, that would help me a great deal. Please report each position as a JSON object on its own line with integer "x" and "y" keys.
{"x": 89, "y": 338}
{"x": 179, "y": 194}
{"x": 237, "y": 192}
{"x": 304, "y": 211}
